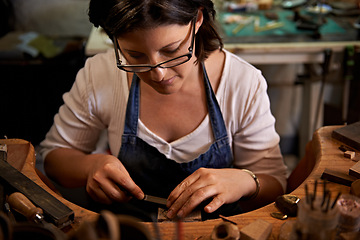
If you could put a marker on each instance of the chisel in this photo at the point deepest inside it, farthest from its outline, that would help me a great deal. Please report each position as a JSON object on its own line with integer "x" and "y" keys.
{"x": 147, "y": 198}
{"x": 153, "y": 199}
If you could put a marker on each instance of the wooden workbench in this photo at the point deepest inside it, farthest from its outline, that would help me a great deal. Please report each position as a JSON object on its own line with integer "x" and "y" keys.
{"x": 323, "y": 151}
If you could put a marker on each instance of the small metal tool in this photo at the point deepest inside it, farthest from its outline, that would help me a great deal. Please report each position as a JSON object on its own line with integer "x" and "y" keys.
{"x": 279, "y": 215}
{"x": 147, "y": 198}
{"x": 3, "y": 152}
{"x": 287, "y": 204}
{"x": 153, "y": 199}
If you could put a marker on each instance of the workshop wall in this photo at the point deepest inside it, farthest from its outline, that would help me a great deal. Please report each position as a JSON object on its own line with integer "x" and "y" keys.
{"x": 32, "y": 86}
{"x": 53, "y": 17}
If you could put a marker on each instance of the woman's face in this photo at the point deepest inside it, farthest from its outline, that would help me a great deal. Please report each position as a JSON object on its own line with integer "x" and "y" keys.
{"x": 152, "y": 46}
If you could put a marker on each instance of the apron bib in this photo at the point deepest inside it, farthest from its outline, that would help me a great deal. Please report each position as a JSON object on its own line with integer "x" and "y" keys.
{"x": 152, "y": 171}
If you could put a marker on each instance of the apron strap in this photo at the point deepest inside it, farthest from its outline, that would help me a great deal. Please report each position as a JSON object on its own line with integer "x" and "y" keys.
{"x": 132, "y": 108}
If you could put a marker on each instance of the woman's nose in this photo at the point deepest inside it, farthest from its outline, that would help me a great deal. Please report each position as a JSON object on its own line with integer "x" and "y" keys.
{"x": 157, "y": 74}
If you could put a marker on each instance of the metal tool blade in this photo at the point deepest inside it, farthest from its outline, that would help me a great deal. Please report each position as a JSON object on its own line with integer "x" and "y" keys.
{"x": 154, "y": 199}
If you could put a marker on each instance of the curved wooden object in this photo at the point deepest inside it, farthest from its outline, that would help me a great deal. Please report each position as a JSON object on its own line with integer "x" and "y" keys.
{"x": 322, "y": 152}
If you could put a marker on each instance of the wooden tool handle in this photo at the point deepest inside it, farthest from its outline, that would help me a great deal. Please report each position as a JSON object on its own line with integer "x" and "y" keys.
{"x": 20, "y": 203}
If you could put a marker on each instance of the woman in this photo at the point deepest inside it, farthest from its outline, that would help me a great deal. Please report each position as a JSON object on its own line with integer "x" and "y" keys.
{"x": 179, "y": 140}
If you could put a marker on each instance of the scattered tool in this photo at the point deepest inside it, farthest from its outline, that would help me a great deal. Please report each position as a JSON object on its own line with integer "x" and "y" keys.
{"x": 147, "y": 197}
{"x": 243, "y": 24}
{"x": 153, "y": 199}
{"x": 317, "y": 216}
{"x": 269, "y": 25}
{"x": 25, "y": 207}
{"x": 287, "y": 204}
{"x": 54, "y": 211}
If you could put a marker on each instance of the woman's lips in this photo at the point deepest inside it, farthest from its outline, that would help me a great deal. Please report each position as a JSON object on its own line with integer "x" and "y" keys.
{"x": 167, "y": 81}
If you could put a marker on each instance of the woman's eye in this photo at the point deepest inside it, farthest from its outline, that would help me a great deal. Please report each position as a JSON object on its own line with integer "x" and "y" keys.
{"x": 135, "y": 56}
{"x": 172, "y": 51}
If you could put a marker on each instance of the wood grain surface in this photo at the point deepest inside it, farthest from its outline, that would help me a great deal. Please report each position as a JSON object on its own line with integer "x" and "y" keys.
{"x": 323, "y": 149}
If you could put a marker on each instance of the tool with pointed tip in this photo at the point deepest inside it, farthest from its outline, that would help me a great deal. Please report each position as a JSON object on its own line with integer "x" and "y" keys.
{"x": 153, "y": 199}
{"x": 13, "y": 180}
{"x": 147, "y": 198}
{"x": 25, "y": 207}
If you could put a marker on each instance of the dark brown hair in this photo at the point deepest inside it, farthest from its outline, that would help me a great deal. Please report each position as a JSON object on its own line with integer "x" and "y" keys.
{"x": 122, "y": 16}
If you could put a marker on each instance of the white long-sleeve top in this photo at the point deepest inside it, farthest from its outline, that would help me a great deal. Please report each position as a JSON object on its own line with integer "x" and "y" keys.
{"x": 98, "y": 99}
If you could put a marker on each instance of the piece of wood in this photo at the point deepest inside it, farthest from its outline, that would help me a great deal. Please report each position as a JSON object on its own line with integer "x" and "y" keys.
{"x": 257, "y": 230}
{"x": 225, "y": 231}
{"x": 355, "y": 188}
{"x": 337, "y": 177}
{"x": 350, "y": 135}
{"x": 325, "y": 150}
{"x": 21, "y": 155}
{"x": 194, "y": 216}
{"x": 349, "y": 236}
{"x": 54, "y": 210}
{"x": 349, "y": 154}
{"x": 355, "y": 170}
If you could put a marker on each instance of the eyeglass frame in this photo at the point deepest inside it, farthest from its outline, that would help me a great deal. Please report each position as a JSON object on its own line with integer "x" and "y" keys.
{"x": 151, "y": 67}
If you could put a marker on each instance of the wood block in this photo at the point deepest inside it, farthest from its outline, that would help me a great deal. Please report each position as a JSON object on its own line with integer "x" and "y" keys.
{"x": 225, "y": 231}
{"x": 258, "y": 230}
{"x": 265, "y": 4}
{"x": 350, "y": 135}
{"x": 355, "y": 188}
{"x": 194, "y": 216}
{"x": 349, "y": 236}
{"x": 349, "y": 154}
{"x": 338, "y": 177}
{"x": 355, "y": 170}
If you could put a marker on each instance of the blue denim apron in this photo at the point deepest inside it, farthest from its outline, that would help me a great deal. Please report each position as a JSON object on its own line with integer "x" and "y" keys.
{"x": 152, "y": 171}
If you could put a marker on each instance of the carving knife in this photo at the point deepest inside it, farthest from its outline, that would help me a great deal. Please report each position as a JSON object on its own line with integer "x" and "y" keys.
{"x": 147, "y": 198}
{"x": 153, "y": 199}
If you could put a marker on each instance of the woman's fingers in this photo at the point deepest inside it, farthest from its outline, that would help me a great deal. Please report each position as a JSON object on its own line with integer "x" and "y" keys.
{"x": 184, "y": 206}
{"x": 220, "y": 185}
{"x": 184, "y": 186}
{"x": 190, "y": 193}
{"x": 109, "y": 181}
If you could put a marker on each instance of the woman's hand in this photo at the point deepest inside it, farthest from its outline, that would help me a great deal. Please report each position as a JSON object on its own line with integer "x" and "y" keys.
{"x": 108, "y": 181}
{"x": 222, "y": 185}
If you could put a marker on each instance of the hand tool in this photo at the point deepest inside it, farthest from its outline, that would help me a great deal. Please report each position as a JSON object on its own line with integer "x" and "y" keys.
{"x": 287, "y": 204}
{"x": 269, "y": 25}
{"x": 25, "y": 207}
{"x": 153, "y": 199}
{"x": 147, "y": 198}
{"x": 242, "y": 24}
{"x": 21, "y": 204}
{"x": 54, "y": 211}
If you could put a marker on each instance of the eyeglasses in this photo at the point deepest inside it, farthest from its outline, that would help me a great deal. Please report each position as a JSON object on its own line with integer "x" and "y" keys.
{"x": 140, "y": 68}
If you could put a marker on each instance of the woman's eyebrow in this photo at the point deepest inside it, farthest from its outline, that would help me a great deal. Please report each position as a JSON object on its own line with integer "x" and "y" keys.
{"x": 171, "y": 44}
{"x": 130, "y": 51}
{"x": 162, "y": 48}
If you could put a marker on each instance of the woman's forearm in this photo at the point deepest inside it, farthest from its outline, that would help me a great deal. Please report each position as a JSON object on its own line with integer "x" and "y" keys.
{"x": 68, "y": 167}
